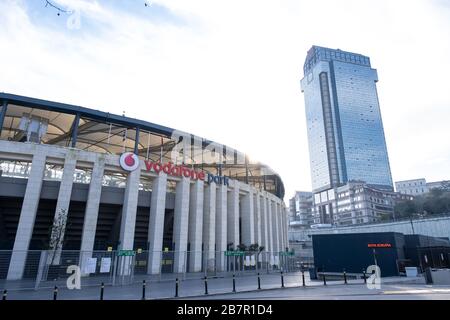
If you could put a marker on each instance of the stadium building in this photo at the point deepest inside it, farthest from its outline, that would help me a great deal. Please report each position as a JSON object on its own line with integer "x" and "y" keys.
{"x": 86, "y": 181}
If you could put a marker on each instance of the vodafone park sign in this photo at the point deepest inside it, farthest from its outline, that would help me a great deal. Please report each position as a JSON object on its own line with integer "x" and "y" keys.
{"x": 130, "y": 162}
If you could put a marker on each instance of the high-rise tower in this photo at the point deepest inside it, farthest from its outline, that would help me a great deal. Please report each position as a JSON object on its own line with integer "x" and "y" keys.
{"x": 345, "y": 130}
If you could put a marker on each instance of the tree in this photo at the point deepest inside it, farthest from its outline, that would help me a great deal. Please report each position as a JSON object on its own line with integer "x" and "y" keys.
{"x": 437, "y": 201}
{"x": 57, "y": 231}
{"x": 405, "y": 208}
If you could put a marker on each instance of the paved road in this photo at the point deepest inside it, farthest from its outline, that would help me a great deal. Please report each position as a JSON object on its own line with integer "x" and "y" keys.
{"x": 345, "y": 292}
{"x": 216, "y": 288}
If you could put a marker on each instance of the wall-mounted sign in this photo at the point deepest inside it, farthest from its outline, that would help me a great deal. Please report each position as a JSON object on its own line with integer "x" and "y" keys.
{"x": 90, "y": 265}
{"x": 379, "y": 245}
{"x": 174, "y": 170}
{"x": 130, "y": 162}
{"x": 183, "y": 171}
{"x": 126, "y": 253}
{"x": 234, "y": 253}
{"x": 105, "y": 266}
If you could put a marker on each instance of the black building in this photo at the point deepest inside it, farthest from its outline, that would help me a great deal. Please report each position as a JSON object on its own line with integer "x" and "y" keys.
{"x": 391, "y": 251}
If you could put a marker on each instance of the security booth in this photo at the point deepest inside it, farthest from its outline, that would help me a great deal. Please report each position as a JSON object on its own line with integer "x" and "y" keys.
{"x": 354, "y": 252}
{"x": 392, "y": 252}
{"x": 434, "y": 257}
{"x": 425, "y": 251}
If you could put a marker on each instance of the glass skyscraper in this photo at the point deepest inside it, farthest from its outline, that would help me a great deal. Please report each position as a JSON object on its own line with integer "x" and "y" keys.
{"x": 345, "y": 130}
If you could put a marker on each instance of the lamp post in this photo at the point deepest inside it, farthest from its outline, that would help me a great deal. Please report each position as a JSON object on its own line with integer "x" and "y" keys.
{"x": 375, "y": 257}
{"x": 412, "y": 224}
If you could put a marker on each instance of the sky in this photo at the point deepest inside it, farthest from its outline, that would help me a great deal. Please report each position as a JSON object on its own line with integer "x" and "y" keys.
{"x": 230, "y": 71}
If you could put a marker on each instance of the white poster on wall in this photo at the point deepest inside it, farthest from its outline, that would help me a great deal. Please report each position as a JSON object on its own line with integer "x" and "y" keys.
{"x": 90, "y": 265}
{"x": 105, "y": 265}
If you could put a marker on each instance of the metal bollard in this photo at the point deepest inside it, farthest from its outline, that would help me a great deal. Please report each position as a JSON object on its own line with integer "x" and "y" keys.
{"x": 234, "y": 283}
{"x": 206, "y": 284}
{"x": 143, "y": 289}
{"x": 303, "y": 278}
{"x": 5, "y": 294}
{"x": 364, "y": 276}
{"x": 324, "y": 279}
{"x": 282, "y": 279}
{"x": 259, "y": 282}
{"x": 345, "y": 277}
{"x": 102, "y": 289}
{"x": 55, "y": 293}
{"x": 176, "y": 288}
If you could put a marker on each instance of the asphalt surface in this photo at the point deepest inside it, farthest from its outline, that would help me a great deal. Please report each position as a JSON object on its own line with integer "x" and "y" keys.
{"x": 343, "y": 292}
{"x": 246, "y": 288}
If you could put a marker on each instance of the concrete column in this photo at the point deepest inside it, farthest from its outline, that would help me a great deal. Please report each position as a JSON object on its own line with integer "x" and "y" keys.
{"x": 233, "y": 215}
{"x": 221, "y": 227}
{"x": 156, "y": 223}
{"x": 286, "y": 226}
{"x": 195, "y": 233}
{"x": 285, "y": 223}
{"x": 264, "y": 227}
{"x": 280, "y": 228}
{"x": 129, "y": 208}
{"x": 91, "y": 213}
{"x": 128, "y": 220}
{"x": 92, "y": 205}
{"x": 62, "y": 209}
{"x": 248, "y": 219}
{"x": 209, "y": 225}
{"x": 257, "y": 215}
{"x": 270, "y": 230}
{"x": 276, "y": 239}
{"x": 27, "y": 218}
{"x": 180, "y": 225}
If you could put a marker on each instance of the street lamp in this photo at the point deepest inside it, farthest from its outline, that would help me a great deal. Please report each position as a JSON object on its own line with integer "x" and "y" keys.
{"x": 412, "y": 224}
{"x": 375, "y": 257}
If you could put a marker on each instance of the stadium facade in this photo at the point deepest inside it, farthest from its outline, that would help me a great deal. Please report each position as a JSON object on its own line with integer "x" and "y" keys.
{"x": 74, "y": 178}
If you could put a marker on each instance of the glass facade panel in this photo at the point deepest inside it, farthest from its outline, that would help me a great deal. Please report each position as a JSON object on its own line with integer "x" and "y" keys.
{"x": 345, "y": 130}
{"x": 103, "y": 137}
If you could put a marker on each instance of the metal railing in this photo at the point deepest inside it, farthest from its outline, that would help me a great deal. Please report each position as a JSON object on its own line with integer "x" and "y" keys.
{"x": 177, "y": 288}
{"x": 47, "y": 268}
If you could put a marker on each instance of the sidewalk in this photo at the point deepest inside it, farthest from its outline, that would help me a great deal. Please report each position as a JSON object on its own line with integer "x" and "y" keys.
{"x": 190, "y": 288}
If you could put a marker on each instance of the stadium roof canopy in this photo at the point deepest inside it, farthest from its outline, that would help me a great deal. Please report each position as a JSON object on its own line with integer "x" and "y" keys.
{"x": 98, "y": 131}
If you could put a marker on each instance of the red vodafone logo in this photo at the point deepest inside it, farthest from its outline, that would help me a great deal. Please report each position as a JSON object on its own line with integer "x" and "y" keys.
{"x": 129, "y": 161}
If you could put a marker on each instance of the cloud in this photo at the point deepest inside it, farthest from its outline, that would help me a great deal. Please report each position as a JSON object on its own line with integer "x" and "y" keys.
{"x": 230, "y": 70}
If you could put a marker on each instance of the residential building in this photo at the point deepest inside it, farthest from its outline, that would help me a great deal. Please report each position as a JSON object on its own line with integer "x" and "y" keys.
{"x": 301, "y": 209}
